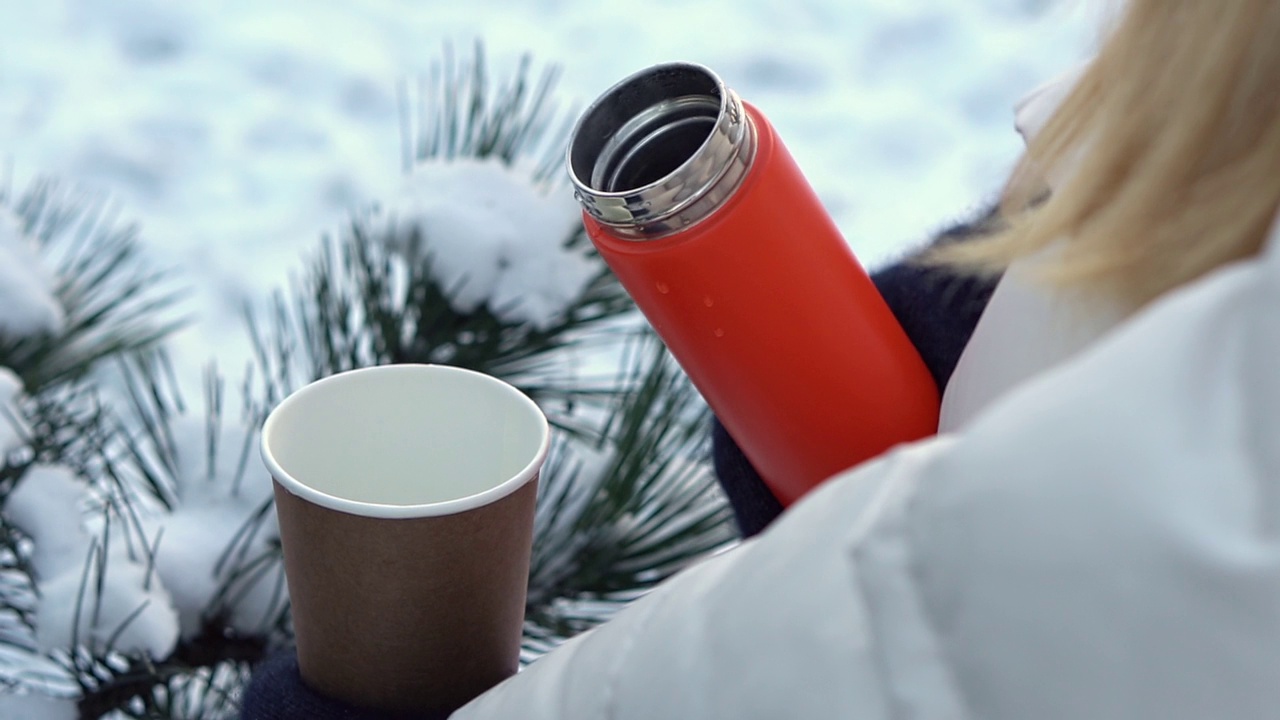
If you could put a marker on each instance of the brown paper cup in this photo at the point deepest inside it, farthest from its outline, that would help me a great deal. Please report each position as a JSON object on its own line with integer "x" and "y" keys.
{"x": 405, "y": 495}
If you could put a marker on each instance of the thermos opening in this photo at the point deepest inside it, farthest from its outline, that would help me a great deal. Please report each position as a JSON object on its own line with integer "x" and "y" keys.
{"x": 660, "y": 150}
{"x": 665, "y": 137}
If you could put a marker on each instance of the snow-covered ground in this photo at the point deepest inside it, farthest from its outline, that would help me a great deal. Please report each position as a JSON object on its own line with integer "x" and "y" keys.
{"x": 237, "y": 132}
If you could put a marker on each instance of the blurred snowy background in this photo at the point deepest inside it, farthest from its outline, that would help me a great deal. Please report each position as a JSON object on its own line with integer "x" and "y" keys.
{"x": 238, "y": 132}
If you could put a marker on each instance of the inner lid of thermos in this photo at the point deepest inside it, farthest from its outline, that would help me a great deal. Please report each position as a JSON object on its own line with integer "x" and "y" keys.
{"x": 654, "y": 143}
{"x": 660, "y": 150}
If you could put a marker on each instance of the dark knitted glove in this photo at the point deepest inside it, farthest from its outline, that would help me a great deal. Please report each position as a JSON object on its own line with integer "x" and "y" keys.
{"x": 938, "y": 310}
{"x": 278, "y": 693}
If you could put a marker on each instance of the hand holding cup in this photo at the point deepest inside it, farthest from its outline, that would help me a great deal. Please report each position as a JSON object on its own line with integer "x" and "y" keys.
{"x": 405, "y": 495}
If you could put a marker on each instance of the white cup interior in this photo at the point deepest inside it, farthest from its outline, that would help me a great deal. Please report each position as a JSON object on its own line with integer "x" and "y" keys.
{"x": 405, "y": 440}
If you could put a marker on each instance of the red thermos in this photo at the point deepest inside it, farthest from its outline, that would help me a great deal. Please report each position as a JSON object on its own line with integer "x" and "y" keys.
{"x": 692, "y": 200}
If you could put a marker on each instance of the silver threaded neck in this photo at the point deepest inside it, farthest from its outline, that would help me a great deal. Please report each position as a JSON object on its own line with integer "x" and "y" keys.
{"x": 660, "y": 151}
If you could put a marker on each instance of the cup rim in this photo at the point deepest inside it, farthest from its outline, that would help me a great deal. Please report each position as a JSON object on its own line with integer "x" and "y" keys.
{"x": 419, "y": 510}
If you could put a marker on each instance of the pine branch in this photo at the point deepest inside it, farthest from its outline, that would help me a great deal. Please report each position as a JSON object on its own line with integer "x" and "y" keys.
{"x": 366, "y": 303}
{"x": 370, "y": 296}
{"x": 458, "y": 111}
{"x": 65, "y": 428}
{"x": 645, "y": 507}
{"x": 113, "y": 300}
{"x": 127, "y": 457}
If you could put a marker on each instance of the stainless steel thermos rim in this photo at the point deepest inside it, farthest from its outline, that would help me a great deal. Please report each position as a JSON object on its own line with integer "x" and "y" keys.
{"x": 660, "y": 151}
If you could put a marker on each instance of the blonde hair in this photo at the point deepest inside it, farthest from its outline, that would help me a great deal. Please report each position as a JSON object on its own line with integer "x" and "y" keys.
{"x": 1170, "y": 146}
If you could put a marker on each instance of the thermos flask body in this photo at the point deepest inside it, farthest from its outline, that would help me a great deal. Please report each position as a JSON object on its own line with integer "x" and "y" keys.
{"x": 695, "y": 204}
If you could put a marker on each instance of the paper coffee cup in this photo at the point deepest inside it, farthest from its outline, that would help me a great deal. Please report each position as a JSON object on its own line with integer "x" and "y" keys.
{"x": 405, "y": 495}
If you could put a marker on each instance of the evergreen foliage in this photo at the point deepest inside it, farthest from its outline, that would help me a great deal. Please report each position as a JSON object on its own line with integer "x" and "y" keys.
{"x": 115, "y": 301}
{"x": 626, "y": 498}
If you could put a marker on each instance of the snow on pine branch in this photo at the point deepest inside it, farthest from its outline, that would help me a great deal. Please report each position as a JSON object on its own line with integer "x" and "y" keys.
{"x": 217, "y": 547}
{"x": 216, "y": 539}
{"x": 93, "y": 592}
{"x": 494, "y": 237}
{"x": 28, "y": 304}
{"x": 123, "y": 573}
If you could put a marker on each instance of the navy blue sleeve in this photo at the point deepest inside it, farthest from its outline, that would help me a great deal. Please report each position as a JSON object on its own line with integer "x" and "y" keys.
{"x": 277, "y": 692}
{"x": 936, "y": 307}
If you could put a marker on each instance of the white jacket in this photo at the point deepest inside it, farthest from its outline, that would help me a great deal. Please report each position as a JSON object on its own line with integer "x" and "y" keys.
{"x": 1096, "y": 535}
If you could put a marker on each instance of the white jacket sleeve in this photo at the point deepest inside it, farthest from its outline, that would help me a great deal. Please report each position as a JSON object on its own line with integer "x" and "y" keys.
{"x": 790, "y": 625}
{"x": 1103, "y": 542}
